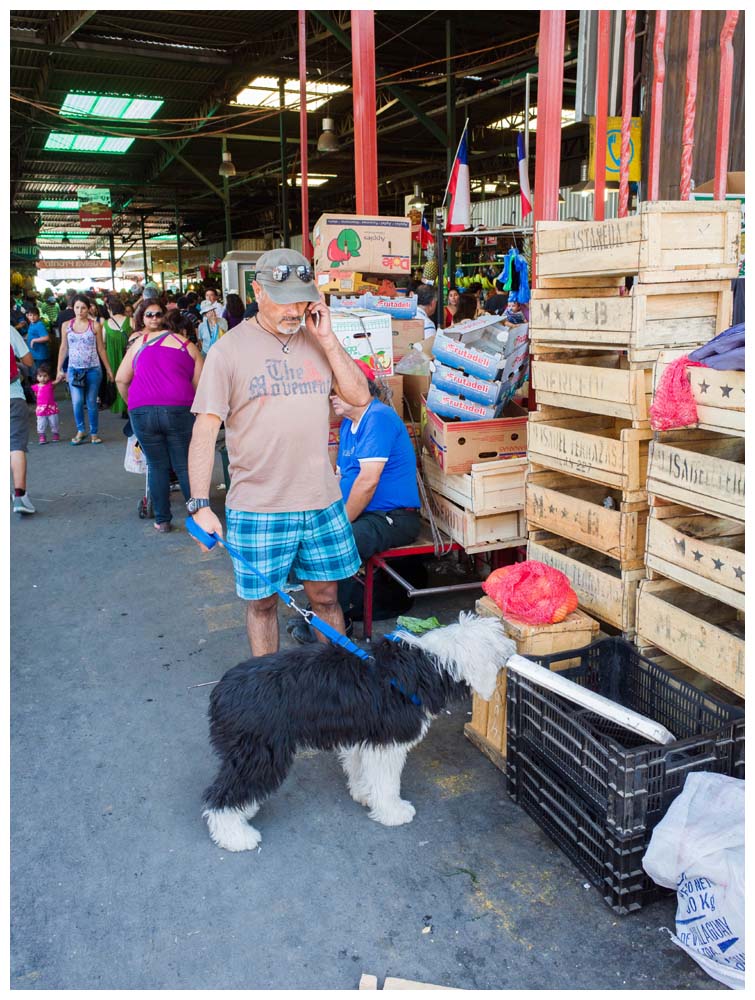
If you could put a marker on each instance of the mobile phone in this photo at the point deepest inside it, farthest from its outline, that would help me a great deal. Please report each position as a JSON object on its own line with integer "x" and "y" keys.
{"x": 316, "y": 317}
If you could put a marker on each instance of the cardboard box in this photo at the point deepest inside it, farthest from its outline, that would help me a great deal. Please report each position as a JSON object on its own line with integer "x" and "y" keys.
{"x": 397, "y": 307}
{"x": 479, "y": 352}
{"x": 477, "y": 390}
{"x": 375, "y": 244}
{"x": 339, "y": 281}
{"x": 365, "y": 336}
{"x": 415, "y": 387}
{"x": 450, "y": 406}
{"x": 456, "y": 446}
{"x": 395, "y": 384}
{"x": 406, "y": 332}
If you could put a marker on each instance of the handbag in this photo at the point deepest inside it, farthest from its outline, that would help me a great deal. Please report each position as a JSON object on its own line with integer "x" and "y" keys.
{"x": 134, "y": 460}
{"x": 108, "y": 393}
{"x": 79, "y": 378}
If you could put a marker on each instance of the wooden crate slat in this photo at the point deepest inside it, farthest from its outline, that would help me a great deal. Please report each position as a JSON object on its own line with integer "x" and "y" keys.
{"x": 582, "y": 384}
{"x": 693, "y": 628}
{"x": 575, "y": 509}
{"x": 700, "y": 551}
{"x": 708, "y": 475}
{"x": 490, "y": 487}
{"x": 603, "y": 588}
{"x": 696, "y": 238}
{"x": 478, "y": 534}
{"x": 593, "y": 447}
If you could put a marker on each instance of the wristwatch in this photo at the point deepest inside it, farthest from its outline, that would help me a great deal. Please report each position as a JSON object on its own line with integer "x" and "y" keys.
{"x": 193, "y": 505}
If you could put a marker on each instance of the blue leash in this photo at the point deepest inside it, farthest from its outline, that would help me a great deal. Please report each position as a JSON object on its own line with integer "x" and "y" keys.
{"x": 309, "y": 616}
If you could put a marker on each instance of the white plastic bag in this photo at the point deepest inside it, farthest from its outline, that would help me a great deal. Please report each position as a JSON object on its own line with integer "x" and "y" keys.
{"x": 698, "y": 849}
{"x": 134, "y": 460}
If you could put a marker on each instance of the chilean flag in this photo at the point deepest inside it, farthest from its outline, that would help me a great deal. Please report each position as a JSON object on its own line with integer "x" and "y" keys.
{"x": 426, "y": 238}
{"x": 524, "y": 177}
{"x": 458, "y": 187}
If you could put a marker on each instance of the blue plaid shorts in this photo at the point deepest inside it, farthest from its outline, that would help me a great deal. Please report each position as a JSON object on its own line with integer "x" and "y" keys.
{"x": 315, "y": 544}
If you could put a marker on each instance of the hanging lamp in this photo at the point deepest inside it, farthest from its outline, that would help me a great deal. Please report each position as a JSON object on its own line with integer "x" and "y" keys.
{"x": 328, "y": 143}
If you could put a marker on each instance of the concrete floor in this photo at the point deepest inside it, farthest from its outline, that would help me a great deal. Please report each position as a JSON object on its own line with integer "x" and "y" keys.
{"x": 115, "y": 883}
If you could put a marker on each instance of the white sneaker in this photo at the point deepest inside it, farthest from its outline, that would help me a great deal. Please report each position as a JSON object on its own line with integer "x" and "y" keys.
{"x": 23, "y": 505}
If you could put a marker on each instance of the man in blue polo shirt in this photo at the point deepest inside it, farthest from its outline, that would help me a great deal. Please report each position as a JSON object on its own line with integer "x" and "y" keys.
{"x": 378, "y": 477}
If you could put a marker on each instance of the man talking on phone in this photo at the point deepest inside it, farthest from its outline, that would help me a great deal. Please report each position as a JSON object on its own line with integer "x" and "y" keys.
{"x": 269, "y": 379}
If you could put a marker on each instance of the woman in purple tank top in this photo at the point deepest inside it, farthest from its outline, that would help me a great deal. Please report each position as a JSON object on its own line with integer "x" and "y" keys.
{"x": 157, "y": 378}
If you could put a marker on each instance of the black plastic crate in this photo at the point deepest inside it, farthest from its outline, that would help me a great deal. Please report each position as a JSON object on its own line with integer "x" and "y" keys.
{"x": 612, "y": 863}
{"x": 629, "y": 781}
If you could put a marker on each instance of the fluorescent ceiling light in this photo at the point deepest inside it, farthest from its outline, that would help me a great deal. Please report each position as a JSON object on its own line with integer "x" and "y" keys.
{"x": 57, "y": 237}
{"x": 315, "y": 180}
{"x": 488, "y": 188}
{"x": 120, "y": 106}
{"x": 58, "y": 206}
{"x": 516, "y": 121}
{"x": 72, "y": 143}
{"x": 263, "y": 92}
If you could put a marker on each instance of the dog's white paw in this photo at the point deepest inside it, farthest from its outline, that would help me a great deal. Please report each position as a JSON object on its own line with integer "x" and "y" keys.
{"x": 359, "y": 796}
{"x": 395, "y": 814}
{"x": 230, "y": 830}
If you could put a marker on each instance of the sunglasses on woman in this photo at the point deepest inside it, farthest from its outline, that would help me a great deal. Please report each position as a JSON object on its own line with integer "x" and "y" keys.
{"x": 284, "y": 271}
{"x": 152, "y": 315}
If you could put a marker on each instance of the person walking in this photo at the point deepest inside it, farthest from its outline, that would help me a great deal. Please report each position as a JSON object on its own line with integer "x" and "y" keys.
{"x": 157, "y": 379}
{"x": 269, "y": 379}
{"x": 81, "y": 342}
{"x": 213, "y": 326}
{"x": 117, "y": 329}
{"x": 19, "y": 424}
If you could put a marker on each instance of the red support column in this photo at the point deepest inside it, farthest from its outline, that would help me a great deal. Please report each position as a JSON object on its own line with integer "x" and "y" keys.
{"x": 656, "y": 106}
{"x": 690, "y": 103}
{"x": 601, "y": 113}
{"x": 724, "y": 104}
{"x": 306, "y": 245}
{"x": 626, "y": 112}
{"x": 549, "y": 97}
{"x": 365, "y": 111}
{"x": 550, "y": 88}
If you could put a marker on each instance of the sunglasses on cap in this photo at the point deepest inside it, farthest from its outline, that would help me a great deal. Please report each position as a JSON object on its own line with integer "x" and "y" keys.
{"x": 151, "y": 315}
{"x": 282, "y": 272}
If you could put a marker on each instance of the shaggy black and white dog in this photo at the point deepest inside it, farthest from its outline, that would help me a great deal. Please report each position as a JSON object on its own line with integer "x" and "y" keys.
{"x": 324, "y": 698}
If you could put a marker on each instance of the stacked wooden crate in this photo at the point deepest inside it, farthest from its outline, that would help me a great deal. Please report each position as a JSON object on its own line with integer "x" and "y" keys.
{"x": 691, "y": 607}
{"x": 487, "y": 727}
{"x": 594, "y": 345}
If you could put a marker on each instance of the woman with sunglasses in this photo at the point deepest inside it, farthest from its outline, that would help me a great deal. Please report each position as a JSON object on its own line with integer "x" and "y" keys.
{"x": 157, "y": 378}
{"x": 81, "y": 342}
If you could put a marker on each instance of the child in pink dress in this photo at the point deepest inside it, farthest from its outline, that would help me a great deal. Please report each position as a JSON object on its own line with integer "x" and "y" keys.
{"x": 47, "y": 408}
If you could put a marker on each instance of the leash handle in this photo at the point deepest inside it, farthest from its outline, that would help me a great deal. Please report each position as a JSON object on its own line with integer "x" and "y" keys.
{"x": 210, "y": 540}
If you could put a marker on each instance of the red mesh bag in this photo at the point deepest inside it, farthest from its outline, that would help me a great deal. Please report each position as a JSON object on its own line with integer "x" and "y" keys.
{"x": 673, "y": 403}
{"x": 531, "y": 592}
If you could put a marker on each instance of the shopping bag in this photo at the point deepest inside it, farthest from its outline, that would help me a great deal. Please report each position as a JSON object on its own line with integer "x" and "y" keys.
{"x": 698, "y": 849}
{"x": 134, "y": 460}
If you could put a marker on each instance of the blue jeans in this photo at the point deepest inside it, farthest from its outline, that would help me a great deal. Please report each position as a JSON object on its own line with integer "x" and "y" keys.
{"x": 89, "y": 394}
{"x": 164, "y": 433}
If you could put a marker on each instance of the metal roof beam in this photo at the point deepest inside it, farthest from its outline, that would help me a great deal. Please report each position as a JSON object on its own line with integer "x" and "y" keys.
{"x": 63, "y": 27}
{"x": 190, "y": 166}
{"x": 119, "y": 51}
{"x": 397, "y": 92}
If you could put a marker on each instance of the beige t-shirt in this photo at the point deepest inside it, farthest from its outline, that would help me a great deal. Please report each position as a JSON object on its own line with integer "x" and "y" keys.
{"x": 276, "y": 409}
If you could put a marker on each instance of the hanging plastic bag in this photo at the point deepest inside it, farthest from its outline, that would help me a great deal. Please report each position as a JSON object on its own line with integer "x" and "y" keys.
{"x": 698, "y": 849}
{"x": 134, "y": 460}
{"x": 532, "y": 592}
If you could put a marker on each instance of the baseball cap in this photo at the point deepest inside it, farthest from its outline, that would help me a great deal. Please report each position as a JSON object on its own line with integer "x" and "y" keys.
{"x": 208, "y": 306}
{"x": 292, "y": 289}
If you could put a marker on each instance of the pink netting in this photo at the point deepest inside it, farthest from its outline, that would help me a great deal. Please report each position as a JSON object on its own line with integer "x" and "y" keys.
{"x": 531, "y": 592}
{"x": 673, "y": 404}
